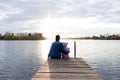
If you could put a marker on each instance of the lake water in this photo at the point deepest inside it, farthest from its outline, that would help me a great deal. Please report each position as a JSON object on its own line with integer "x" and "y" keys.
{"x": 19, "y": 60}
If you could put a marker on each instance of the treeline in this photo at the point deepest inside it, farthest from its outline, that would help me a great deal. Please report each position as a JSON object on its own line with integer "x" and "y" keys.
{"x": 101, "y": 37}
{"x": 107, "y": 37}
{"x": 21, "y": 36}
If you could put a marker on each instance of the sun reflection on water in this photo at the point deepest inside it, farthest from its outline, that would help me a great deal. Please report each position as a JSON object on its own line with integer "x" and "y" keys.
{"x": 45, "y": 47}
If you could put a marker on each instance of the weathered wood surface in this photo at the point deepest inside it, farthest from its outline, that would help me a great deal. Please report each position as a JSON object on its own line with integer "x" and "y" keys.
{"x": 66, "y": 69}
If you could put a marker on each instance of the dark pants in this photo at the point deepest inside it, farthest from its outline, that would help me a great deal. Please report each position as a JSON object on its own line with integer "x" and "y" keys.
{"x": 55, "y": 57}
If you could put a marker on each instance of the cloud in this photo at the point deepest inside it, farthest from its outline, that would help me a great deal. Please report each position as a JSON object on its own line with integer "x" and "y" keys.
{"x": 100, "y": 9}
{"x": 17, "y": 10}
{"x": 28, "y": 15}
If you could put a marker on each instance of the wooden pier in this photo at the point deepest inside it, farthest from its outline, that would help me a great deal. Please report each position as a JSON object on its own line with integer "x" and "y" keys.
{"x": 66, "y": 69}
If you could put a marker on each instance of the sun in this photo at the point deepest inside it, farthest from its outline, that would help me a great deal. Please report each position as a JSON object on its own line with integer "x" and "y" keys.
{"x": 50, "y": 27}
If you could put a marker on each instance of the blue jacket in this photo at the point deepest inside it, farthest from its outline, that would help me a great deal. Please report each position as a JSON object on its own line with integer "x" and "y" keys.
{"x": 56, "y": 49}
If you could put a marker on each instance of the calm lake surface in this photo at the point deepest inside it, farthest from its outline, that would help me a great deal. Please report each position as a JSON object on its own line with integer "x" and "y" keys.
{"x": 19, "y": 60}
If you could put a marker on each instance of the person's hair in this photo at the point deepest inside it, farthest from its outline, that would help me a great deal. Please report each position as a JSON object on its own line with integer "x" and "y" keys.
{"x": 57, "y": 37}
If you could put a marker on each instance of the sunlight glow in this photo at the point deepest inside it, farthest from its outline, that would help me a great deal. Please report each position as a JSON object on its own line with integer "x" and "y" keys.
{"x": 66, "y": 26}
{"x": 51, "y": 25}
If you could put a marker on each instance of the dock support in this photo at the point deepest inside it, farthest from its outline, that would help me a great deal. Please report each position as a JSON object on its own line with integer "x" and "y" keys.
{"x": 74, "y": 49}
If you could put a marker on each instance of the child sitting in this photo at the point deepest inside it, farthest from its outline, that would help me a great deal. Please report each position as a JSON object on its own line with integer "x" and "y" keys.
{"x": 65, "y": 56}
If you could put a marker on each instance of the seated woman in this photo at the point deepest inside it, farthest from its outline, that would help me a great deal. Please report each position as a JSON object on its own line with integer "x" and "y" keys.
{"x": 56, "y": 49}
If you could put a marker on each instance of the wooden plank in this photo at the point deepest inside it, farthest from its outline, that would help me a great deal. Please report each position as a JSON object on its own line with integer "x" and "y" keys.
{"x": 66, "y": 75}
{"x": 66, "y": 69}
{"x": 62, "y": 79}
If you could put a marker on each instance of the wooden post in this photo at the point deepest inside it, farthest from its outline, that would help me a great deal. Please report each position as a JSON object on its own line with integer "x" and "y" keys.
{"x": 74, "y": 49}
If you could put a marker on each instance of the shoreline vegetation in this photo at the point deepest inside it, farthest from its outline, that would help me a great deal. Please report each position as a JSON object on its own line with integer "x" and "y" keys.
{"x": 100, "y": 37}
{"x": 21, "y": 36}
{"x": 39, "y": 36}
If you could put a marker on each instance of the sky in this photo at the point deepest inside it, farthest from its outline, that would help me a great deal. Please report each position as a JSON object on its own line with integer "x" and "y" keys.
{"x": 68, "y": 18}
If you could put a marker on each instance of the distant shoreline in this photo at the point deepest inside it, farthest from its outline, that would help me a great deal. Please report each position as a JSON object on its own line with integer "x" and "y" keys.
{"x": 39, "y": 36}
{"x": 48, "y": 39}
{"x": 21, "y": 36}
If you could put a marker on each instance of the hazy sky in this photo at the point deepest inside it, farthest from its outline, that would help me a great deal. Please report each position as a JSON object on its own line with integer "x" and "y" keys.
{"x": 68, "y": 17}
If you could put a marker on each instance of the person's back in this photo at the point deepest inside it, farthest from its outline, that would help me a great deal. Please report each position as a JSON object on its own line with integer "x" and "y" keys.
{"x": 56, "y": 49}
